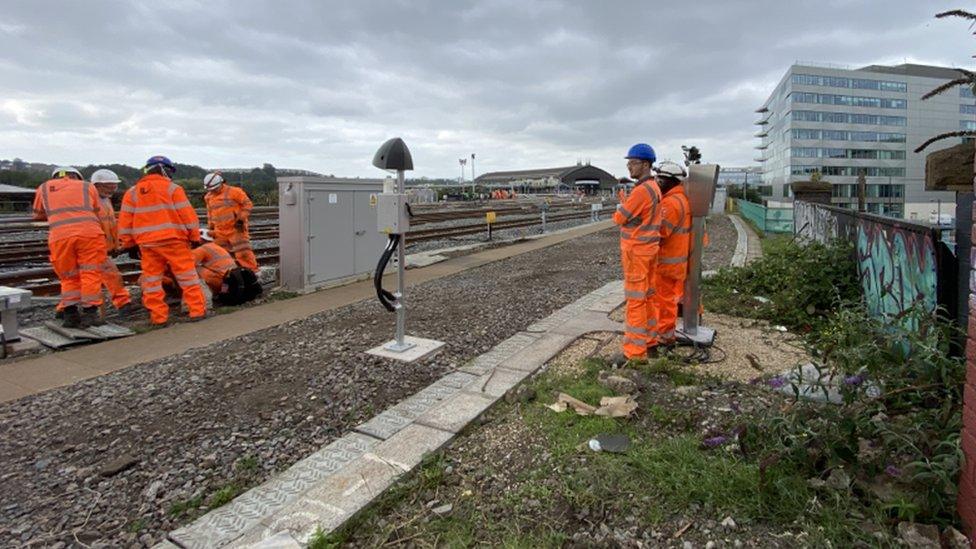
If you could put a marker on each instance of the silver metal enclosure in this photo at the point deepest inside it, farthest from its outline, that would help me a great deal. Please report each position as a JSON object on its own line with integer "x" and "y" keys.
{"x": 700, "y": 188}
{"x": 327, "y": 230}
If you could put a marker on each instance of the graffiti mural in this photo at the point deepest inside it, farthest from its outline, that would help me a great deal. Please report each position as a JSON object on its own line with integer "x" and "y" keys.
{"x": 897, "y": 260}
{"x": 813, "y": 222}
{"x": 898, "y": 268}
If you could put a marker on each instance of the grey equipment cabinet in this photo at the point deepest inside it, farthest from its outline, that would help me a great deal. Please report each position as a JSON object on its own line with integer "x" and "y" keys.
{"x": 327, "y": 230}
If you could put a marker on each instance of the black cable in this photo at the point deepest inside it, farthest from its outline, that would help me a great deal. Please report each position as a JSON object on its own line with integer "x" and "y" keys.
{"x": 386, "y": 297}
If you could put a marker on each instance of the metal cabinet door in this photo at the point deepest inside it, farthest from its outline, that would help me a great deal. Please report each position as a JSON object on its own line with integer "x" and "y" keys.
{"x": 369, "y": 242}
{"x": 331, "y": 254}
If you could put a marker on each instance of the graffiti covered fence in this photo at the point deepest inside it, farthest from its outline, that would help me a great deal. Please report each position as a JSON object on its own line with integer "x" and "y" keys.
{"x": 900, "y": 263}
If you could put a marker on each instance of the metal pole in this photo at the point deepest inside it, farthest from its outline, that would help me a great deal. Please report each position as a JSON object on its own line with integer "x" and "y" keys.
{"x": 692, "y": 283}
{"x": 472, "y": 174}
{"x": 401, "y": 306}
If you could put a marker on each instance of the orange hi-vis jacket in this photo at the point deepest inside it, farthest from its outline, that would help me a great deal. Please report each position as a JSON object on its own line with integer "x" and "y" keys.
{"x": 639, "y": 217}
{"x": 106, "y": 217}
{"x": 225, "y": 206}
{"x": 70, "y": 206}
{"x": 672, "y": 258}
{"x": 156, "y": 210}
{"x": 213, "y": 264}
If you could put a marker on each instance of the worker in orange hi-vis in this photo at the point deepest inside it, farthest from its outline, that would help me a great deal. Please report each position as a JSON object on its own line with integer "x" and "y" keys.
{"x": 158, "y": 224}
{"x": 107, "y": 182}
{"x": 76, "y": 242}
{"x": 228, "y": 211}
{"x": 639, "y": 217}
{"x": 672, "y": 258}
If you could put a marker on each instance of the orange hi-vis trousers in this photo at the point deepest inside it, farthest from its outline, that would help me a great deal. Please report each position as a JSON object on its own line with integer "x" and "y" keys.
{"x": 640, "y": 324}
{"x": 112, "y": 279}
{"x": 176, "y": 255}
{"x": 77, "y": 260}
{"x": 238, "y": 243}
{"x": 667, "y": 295}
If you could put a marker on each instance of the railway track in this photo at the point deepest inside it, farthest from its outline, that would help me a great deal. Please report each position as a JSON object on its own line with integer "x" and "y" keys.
{"x": 42, "y": 281}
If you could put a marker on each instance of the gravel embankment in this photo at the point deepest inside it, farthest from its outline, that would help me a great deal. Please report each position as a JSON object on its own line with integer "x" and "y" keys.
{"x": 181, "y": 424}
{"x": 112, "y": 460}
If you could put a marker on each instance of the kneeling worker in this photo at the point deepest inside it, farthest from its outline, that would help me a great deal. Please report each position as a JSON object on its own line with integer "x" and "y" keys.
{"x": 672, "y": 258}
{"x": 228, "y": 282}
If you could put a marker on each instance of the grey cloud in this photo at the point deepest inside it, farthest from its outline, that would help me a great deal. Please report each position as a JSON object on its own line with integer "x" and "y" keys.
{"x": 319, "y": 85}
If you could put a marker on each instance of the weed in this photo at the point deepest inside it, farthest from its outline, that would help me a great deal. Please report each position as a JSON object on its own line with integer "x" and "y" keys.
{"x": 187, "y": 506}
{"x": 136, "y": 525}
{"x": 247, "y": 464}
{"x": 224, "y": 495}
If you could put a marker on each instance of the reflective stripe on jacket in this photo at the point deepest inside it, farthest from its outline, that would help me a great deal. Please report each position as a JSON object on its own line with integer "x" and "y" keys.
{"x": 672, "y": 258}
{"x": 639, "y": 218}
{"x": 213, "y": 264}
{"x": 226, "y": 205}
{"x": 156, "y": 210}
{"x": 70, "y": 207}
{"x": 106, "y": 218}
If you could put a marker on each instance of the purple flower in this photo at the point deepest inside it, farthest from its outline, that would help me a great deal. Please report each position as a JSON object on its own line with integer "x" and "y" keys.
{"x": 776, "y": 382}
{"x": 713, "y": 442}
{"x": 893, "y": 471}
{"x": 854, "y": 380}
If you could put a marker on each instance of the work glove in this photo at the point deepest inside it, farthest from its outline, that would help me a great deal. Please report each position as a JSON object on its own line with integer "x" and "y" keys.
{"x": 133, "y": 253}
{"x": 195, "y": 244}
{"x": 239, "y": 224}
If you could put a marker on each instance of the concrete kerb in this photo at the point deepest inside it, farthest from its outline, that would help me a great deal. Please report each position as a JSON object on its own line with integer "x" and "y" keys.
{"x": 326, "y": 489}
{"x": 741, "y": 242}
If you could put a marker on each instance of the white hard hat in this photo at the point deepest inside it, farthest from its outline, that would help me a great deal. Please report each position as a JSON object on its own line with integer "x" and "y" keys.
{"x": 63, "y": 171}
{"x": 668, "y": 168}
{"x": 105, "y": 176}
{"x": 205, "y": 235}
{"x": 212, "y": 181}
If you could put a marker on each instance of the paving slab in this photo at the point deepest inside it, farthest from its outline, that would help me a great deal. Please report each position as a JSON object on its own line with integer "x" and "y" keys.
{"x": 499, "y": 353}
{"x": 497, "y": 382}
{"x": 456, "y": 412}
{"x": 534, "y": 356}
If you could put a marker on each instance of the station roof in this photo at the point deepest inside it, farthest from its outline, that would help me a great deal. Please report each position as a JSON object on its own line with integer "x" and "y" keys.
{"x": 13, "y": 189}
{"x": 565, "y": 174}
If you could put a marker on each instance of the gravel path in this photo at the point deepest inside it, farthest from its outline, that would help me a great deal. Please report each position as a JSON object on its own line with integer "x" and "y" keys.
{"x": 721, "y": 243}
{"x": 119, "y": 459}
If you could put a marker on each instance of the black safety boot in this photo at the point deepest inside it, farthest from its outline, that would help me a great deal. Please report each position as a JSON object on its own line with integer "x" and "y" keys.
{"x": 72, "y": 319}
{"x": 126, "y": 311}
{"x": 90, "y": 317}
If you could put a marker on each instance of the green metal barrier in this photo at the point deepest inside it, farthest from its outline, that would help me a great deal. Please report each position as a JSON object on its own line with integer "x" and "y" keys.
{"x": 767, "y": 220}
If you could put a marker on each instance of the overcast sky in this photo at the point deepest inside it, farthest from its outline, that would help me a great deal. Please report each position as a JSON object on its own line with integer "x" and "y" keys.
{"x": 521, "y": 83}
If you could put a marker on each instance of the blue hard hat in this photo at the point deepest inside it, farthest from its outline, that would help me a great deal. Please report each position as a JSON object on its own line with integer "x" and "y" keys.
{"x": 160, "y": 160}
{"x": 642, "y": 151}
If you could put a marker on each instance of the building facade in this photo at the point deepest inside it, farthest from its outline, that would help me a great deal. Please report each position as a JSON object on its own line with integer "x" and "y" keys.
{"x": 843, "y": 123}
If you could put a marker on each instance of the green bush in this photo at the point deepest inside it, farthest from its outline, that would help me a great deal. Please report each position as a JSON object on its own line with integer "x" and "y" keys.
{"x": 791, "y": 284}
{"x": 896, "y": 433}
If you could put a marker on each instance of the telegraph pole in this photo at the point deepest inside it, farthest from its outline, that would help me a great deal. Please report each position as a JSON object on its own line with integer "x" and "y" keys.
{"x": 472, "y": 174}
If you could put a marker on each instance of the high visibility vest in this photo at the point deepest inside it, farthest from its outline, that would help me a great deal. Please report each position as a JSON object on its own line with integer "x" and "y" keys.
{"x": 213, "y": 264}
{"x": 106, "y": 218}
{"x": 156, "y": 210}
{"x": 225, "y": 206}
{"x": 70, "y": 207}
{"x": 672, "y": 258}
{"x": 639, "y": 218}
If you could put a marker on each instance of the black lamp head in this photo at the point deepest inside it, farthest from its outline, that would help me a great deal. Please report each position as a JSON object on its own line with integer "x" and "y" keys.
{"x": 393, "y": 155}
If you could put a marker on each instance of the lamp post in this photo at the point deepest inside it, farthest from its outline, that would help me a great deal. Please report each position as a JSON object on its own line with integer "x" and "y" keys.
{"x": 472, "y": 174}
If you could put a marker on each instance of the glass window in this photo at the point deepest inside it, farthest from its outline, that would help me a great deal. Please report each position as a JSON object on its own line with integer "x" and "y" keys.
{"x": 864, "y": 136}
{"x": 804, "y": 152}
{"x": 891, "y": 137}
{"x": 835, "y": 117}
{"x": 835, "y": 153}
{"x": 807, "y": 116}
{"x": 894, "y": 86}
{"x": 894, "y": 103}
{"x": 894, "y": 120}
{"x": 800, "y": 133}
{"x": 966, "y": 91}
{"x": 967, "y": 109}
{"x": 836, "y": 82}
{"x": 835, "y": 135}
{"x": 861, "y": 84}
{"x": 806, "y": 79}
{"x": 967, "y": 124}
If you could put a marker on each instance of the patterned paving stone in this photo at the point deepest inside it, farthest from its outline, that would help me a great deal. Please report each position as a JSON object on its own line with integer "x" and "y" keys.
{"x": 496, "y": 382}
{"x": 533, "y": 357}
{"x": 499, "y": 353}
{"x": 228, "y": 523}
{"x": 385, "y": 424}
{"x": 456, "y": 412}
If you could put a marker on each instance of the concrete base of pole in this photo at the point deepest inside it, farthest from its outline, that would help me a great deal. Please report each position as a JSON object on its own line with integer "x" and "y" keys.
{"x": 703, "y": 336}
{"x": 414, "y": 349}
